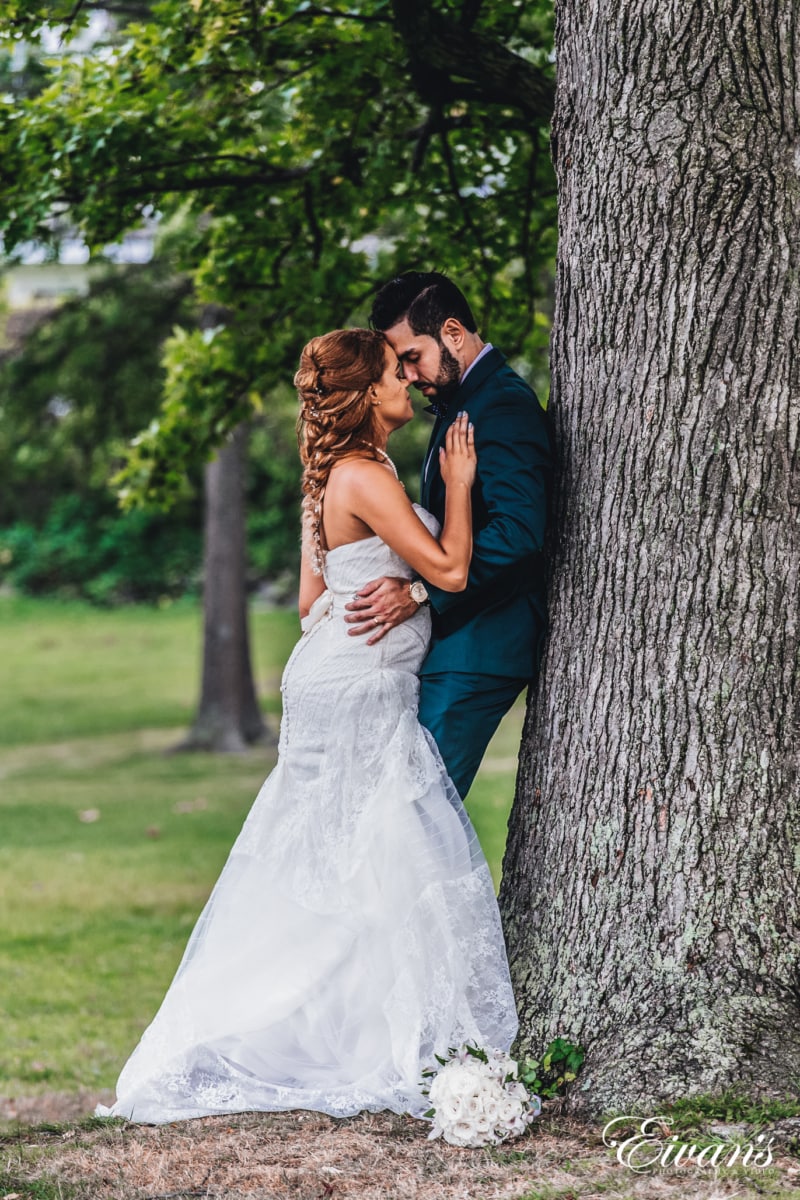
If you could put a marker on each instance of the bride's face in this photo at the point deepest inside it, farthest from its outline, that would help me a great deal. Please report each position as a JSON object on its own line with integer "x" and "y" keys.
{"x": 390, "y": 394}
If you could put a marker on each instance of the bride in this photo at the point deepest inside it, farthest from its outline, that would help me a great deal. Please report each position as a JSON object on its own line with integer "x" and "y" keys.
{"x": 353, "y": 933}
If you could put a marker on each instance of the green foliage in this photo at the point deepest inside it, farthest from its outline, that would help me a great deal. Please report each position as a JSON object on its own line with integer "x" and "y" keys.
{"x": 24, "y": 78}
{"x": 559, "y": 1066}
{"x": 85, "y": 380}
{"x": 12, "y": 1184}
{"x": 85, "y": 548}
{"x": 729, "y": 1107}
{"x": 304, "y": 153}
{"x": 273, "y": 489}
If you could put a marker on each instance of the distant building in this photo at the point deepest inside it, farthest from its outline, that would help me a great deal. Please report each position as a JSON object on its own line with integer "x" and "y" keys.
{"x": 38, "y": 276}
{"x": 38, "y": 279}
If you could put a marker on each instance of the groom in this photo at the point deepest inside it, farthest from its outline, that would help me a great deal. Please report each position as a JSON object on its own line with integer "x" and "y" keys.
{"x": 487, "y": 640}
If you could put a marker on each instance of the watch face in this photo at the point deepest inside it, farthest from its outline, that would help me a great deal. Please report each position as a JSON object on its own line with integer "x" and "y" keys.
{"x": 418, "y": 591}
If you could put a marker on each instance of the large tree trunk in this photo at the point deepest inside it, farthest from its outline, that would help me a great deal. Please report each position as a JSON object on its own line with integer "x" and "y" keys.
{"x": 228, "y": 716}
{"x": 651, "y": 881}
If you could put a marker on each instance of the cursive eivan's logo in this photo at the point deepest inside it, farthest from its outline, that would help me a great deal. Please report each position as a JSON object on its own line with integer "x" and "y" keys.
{"x": 650, "y": 1147}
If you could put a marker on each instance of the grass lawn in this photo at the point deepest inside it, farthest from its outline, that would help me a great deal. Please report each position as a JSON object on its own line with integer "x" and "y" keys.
{"x": 109, "y": 846}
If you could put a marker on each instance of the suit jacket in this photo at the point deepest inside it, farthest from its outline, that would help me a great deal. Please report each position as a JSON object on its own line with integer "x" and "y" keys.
{"x": 497, "y": 625}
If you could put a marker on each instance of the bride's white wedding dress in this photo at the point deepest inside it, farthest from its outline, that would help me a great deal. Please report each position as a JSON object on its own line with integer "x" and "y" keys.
{"x": 353, "y": 933}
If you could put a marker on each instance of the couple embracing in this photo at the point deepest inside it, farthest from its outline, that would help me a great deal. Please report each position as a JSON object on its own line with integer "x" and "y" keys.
{"x": 353, "y": 934}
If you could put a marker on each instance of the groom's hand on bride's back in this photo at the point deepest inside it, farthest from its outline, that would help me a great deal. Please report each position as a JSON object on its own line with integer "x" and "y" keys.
{"x": 379, "y": 606}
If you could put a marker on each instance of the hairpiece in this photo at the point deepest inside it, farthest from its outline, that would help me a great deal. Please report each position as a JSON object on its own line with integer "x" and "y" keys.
{"x": 318, "y": 389}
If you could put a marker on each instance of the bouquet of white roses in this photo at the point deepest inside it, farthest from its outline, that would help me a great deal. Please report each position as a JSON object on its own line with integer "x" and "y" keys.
{"x": 477, "y": 1098}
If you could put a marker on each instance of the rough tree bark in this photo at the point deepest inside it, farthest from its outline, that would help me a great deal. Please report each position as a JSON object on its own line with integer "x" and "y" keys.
{"x": 228, "y": 716}
{"x": 651, "y": 881}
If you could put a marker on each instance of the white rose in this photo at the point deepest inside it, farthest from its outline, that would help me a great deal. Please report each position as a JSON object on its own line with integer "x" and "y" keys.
{"x": 498, "y": 1091}
{"x": 472, "y": 1068}
{"x": 465, "y": 1080}
{"x": 445, "y": 1084}
{"x": 461, "y": 1133}
{"x": 509, "y": 1109}
{"x": 449, "y": 1109}
{"x": 502, "y": 1064}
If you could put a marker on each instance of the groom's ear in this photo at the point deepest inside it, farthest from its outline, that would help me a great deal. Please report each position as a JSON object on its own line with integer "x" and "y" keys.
{"x": 452, "y": 335}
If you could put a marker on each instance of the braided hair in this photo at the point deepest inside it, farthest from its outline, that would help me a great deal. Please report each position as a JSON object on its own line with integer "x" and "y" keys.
{"x": 336, "y": 415}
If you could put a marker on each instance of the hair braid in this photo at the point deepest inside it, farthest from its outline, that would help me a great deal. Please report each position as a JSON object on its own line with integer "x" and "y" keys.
{"x": 336, "y": 416}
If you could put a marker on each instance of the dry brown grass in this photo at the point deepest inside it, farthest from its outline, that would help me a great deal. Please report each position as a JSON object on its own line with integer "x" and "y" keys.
{"x": 308, "y": 1156}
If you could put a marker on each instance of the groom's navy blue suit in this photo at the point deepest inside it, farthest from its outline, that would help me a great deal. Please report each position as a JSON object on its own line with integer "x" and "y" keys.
{"x": 487, "y": 640}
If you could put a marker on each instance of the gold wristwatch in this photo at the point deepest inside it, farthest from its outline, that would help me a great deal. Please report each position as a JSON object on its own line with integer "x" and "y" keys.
{"x": 418, "y": 591}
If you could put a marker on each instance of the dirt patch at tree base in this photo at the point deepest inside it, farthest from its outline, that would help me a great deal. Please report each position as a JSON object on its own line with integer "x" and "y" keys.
{"x": 309, "y": 1156}
{"x": 50, "y": 1108}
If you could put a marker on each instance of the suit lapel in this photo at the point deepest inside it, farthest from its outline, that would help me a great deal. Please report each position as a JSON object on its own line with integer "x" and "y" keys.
{"x": 477, "y": 376}
{"x": 430, "y": 465}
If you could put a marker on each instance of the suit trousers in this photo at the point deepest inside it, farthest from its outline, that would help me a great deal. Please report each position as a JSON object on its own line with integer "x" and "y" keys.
{"x": 462, "y": 711}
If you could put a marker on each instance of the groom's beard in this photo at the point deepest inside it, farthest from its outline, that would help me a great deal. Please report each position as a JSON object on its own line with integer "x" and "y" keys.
{"x": 447, "y": 378}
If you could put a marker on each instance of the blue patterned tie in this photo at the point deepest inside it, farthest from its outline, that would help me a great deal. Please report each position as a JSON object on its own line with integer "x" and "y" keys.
{"x": 438, "y": 408}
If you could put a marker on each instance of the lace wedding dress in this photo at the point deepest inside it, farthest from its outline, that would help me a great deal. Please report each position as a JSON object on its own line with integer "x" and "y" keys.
{"x": 354, "y": 932}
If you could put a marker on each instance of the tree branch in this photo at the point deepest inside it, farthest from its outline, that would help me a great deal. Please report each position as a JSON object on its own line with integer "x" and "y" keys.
{"x": 469, "y": 12}
{"x": 313, "y": 11}
{"x": 75, "y": 12}
{"x": 275, "y": 174}
{"x": 423, "y": 135}
{"x": 313, "y": 224}
{"x": 119, "y": 7}
{"x": 133, "y": 189}
{"x": 469, "y": 225}
{"x": 146, "y": 182}
{"x": 443, "y": 54}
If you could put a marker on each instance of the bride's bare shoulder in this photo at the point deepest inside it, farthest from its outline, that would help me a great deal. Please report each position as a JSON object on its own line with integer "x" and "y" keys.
{"x": 358, "y": 472}
{"x": 350, "y": 462}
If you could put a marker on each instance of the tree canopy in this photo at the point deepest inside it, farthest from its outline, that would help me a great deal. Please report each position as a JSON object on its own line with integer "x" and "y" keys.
{"x": 296, "y": 154}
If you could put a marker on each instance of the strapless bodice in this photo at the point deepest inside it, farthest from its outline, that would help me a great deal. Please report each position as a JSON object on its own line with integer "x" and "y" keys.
{"x": 349, "y": 567}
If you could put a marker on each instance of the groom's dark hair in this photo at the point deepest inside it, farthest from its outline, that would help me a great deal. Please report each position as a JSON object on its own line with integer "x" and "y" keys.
{"x": 425, "y": 299}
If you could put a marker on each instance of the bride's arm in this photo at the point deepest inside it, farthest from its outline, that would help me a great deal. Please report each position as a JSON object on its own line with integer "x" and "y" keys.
{"x": 378, "y": 500}
{"x": 311, "y": 586}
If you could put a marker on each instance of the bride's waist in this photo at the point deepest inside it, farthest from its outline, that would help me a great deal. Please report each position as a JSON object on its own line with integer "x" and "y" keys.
{"x": 346, "y": 594}
{"x": 332, "y": 606}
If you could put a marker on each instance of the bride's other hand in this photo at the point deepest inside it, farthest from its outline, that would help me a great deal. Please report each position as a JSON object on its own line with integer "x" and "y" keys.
{"x": 457, "y": 458}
